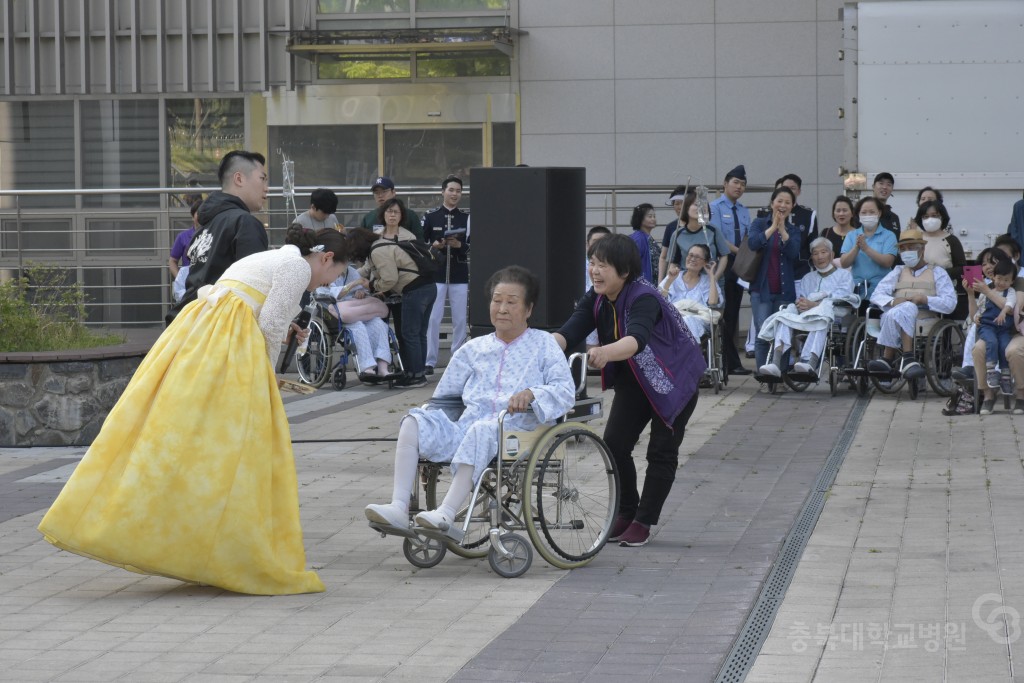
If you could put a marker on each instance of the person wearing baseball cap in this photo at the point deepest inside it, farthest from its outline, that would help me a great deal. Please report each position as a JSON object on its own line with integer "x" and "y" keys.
{"x": 911, "y": 290}
{"x": 732, "y": 219}
{"x": 881, "y": 187}
{"x": 383, "y": 189}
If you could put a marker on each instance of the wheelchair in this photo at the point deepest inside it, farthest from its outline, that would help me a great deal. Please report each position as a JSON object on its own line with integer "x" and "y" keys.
{"x": 557, "y": 484}
{"x": 715, "y": 376}
{"x": 833, "y": 355}
{"x": 326, "y": 331}
{"x": 938, "y": 346}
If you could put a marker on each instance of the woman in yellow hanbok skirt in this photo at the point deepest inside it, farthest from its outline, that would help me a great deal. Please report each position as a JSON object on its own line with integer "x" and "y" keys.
{"x": 192, "y": 476}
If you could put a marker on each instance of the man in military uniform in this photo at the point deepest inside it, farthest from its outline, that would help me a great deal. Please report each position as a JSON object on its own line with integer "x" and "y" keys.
{"x": 447, "y": 230}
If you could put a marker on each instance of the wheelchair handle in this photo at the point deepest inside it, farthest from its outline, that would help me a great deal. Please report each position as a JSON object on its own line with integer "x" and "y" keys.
{"x": 581, "y": 381}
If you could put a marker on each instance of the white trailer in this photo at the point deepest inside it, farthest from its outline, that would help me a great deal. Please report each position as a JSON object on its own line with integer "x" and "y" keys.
{"x": 934, "y": 94}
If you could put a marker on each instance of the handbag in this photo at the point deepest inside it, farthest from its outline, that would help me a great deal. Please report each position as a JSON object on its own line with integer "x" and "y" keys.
{"x": 746, "y": 262}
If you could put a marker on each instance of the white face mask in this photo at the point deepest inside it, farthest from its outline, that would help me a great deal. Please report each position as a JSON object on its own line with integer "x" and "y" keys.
{"x": 931, "y": 224}
{"x": 869, "y": 222}
{"x": 825, "y": 269}
{"x": 910, "y": 258}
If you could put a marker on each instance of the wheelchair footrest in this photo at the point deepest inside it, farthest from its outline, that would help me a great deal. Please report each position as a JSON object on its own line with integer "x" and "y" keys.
{"x": 388, "y": 530}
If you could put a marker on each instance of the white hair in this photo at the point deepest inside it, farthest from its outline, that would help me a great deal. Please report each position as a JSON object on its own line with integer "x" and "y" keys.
{"x": 822, "y": 242}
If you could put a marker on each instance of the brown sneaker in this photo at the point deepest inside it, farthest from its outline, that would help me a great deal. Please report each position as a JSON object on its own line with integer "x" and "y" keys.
{"x": 635, "y": 536}
{"x": 619, "y": 527}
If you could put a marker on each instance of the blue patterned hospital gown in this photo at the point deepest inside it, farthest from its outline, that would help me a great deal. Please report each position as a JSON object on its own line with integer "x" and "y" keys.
{"x": 485, "y": 372}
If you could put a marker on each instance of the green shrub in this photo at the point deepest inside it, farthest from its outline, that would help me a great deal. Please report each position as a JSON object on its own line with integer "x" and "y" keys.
{"x": 44, "y": 311}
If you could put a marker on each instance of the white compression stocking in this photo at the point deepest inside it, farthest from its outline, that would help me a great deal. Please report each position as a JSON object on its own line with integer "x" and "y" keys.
{"x": 407, "y": 454}
{"x": 462, "y": 484}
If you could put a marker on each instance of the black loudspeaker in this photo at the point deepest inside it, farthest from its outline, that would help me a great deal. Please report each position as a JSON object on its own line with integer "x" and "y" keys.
{"x": 535, "y": 218}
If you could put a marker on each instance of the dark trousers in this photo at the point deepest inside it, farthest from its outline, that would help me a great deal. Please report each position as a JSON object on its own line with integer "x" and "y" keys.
{"x": 731, "y": 321}
{"x": 627, "y": 419}
{"x": 416, "y": 306}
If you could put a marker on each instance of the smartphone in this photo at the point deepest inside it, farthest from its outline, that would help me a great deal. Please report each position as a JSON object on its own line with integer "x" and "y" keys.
{"x": 973, "y": 274}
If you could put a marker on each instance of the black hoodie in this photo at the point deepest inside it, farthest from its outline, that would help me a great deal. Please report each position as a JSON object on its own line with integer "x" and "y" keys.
{"x": 228, "y": 233}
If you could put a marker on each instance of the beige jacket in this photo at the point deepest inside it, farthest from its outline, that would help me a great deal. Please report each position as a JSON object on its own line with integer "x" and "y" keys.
{"x": 383, "y": 264}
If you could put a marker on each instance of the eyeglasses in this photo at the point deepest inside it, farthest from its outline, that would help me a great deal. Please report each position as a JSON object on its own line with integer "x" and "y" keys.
{"x": 394, "y": 211}
{"x": 694, "y": 257}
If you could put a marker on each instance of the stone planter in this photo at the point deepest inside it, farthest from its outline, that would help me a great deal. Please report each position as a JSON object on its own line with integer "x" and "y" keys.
{"x": 60, "y": 398}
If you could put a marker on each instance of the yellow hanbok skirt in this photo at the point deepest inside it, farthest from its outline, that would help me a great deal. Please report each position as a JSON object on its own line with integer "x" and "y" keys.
{"x": 192, "y": 476}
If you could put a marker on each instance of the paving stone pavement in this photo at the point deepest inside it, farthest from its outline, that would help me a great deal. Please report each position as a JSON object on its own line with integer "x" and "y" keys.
{"x": 914, "y": 571}
{"x": 668, "y": 611}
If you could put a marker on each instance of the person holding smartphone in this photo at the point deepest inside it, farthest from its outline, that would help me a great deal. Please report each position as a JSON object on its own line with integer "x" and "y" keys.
{"x": 447, "y": 230}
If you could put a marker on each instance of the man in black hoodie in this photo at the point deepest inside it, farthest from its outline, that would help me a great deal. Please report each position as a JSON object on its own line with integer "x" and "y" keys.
{"x": 229, "y": 231}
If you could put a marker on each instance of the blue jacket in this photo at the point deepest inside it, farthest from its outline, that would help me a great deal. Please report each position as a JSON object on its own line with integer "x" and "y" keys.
{"x": 790, "y": 253}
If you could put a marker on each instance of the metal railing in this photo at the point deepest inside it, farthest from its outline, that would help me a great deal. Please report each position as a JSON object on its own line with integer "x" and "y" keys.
{"x": 119, "y": 254}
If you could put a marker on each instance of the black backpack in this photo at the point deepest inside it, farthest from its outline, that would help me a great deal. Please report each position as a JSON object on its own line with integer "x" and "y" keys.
{"x": 426, "y": 259}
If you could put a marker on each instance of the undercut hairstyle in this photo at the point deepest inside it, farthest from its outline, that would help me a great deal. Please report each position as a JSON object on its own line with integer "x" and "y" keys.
{"x": 938, "y": 206}
{"x": 516, "y": 275}
{"x": 324, "y": 200}
{"x": 598, "y": 230}
{"x": 639, "y": 213}
{"x": 394, "y": 201}
{"x": 621, "y": 253}
{"x": 238, "y": 160}
{"x": 306, "y": 240}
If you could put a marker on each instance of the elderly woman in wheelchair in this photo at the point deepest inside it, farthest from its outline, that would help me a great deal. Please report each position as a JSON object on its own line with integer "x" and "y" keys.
{"x": 914, "y": 289}
{"x": 516, "y": 369}
{"x": 363, "y": 316}
{"x": 694, "y": 291}
{"x": 827, "y": 291}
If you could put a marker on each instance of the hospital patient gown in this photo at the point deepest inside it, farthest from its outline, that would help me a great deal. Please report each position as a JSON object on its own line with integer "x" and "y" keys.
{"x": 485, "y": 372}
{"x": 829, "y": 289}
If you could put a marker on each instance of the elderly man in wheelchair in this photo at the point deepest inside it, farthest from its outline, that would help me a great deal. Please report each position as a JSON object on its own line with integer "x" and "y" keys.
{"x": 518, "y": 370}
{"x": 826, "y": 292}
{"x": 912, "y": 290}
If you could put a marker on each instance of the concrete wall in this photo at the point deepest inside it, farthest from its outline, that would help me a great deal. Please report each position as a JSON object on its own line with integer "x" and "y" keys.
{"x": 651, "y": 91}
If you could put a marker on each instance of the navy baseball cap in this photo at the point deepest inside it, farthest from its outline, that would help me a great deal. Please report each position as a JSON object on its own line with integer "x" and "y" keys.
{"x": 383, "y": 181}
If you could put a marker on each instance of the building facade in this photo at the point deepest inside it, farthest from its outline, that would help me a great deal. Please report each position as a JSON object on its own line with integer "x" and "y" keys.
{"x": 137, "y": 95}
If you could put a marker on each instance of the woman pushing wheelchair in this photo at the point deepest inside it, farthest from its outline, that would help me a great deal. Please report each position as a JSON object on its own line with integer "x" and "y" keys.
{"x": 516, "y": 368}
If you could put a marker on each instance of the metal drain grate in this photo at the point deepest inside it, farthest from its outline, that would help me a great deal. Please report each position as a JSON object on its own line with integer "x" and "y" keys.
{"x": 750, "y": 639}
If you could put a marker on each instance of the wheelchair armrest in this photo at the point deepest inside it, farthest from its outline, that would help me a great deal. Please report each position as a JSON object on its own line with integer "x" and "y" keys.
{"x": 581, "y": 379}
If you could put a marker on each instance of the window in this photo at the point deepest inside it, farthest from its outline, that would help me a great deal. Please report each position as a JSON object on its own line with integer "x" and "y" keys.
{"x": 324, "y": 156}
{"x": 40, "y": 238}
{"x": 120, "y": 237}
{"x": 503, "y": 144}
{"x": 37, "y": 146}
{"x": 423, "y": 156}
{"x": 120, "y": 142}
{"x": 199, "y": 133}
{"x": 362, "y": 6}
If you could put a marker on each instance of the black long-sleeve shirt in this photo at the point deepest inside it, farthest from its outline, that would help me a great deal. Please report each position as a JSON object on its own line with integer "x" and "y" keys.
{"x": 644, "y": 314}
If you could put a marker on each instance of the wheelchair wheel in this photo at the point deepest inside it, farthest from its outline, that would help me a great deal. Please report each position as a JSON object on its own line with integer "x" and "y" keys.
{"x": 571, "y": 485}
{"x": 914, "y": 386}
{"x": 315, "y": 365}
{"x": 423, "y": 553}
{"x": 854, "y": 337}
{"x": 863, "y": 389}
{"x": 517, "y": 563}
{"x": 474, "y": 544}
{"x": 833, "y": 381}
{"x": 340, "y": 379}
{"x": 944, "y": 350}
